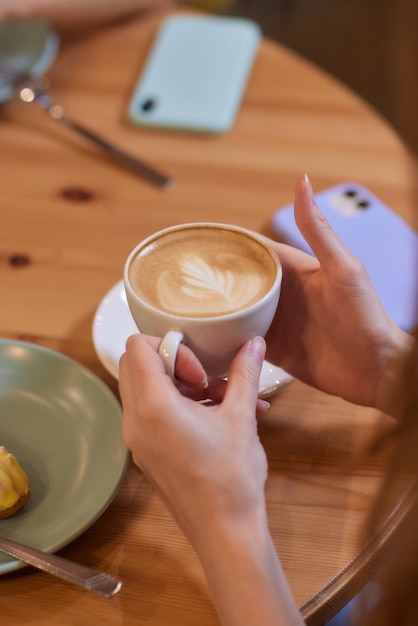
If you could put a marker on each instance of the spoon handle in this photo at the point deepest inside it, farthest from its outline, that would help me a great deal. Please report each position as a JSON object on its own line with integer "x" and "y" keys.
{"x": 135, "y": 165}
{"x": 88, "y": 578}
{"x": 36, "y": 91}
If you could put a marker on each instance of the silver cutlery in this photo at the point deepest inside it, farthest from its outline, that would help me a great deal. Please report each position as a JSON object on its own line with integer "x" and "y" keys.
{"x": 88, "y": 578}
{"x": 35, "y": 89}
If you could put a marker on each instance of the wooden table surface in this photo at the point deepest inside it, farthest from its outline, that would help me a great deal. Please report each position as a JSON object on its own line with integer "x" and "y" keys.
{"x": 69, "y": 217}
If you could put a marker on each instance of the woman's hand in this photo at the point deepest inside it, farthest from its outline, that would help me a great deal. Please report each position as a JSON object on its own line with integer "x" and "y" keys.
{"x": 205, "y": 460}
{"x": 208, "y": 465}
{"x": 330, "y": 329}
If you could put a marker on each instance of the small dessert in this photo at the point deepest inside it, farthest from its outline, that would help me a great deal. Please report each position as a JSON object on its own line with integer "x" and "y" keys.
{"x": 14, "y": 484}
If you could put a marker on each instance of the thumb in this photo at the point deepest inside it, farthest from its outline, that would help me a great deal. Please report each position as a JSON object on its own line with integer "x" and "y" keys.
{"x": 244, "y": 375}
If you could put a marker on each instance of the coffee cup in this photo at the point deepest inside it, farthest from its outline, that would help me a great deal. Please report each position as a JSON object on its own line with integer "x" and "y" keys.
{"x": 213, "y": 286}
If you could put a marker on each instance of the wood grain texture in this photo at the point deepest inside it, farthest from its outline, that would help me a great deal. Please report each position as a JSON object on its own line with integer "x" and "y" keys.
{"x": 69, "y": 217}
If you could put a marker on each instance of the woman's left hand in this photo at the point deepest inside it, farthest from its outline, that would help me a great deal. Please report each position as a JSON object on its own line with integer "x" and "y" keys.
{"x": 206, "y": 461}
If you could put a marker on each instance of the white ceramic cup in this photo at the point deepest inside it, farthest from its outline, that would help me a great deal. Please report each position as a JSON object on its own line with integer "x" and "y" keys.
{"x": 244, "y": 271}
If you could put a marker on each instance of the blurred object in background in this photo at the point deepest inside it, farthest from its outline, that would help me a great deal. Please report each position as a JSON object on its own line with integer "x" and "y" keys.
{"x": 371, "y": 45}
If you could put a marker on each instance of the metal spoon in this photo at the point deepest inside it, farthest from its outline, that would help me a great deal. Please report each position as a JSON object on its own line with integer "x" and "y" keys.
{"x": 88, "y": 578}
{"x": 32, "y": 89}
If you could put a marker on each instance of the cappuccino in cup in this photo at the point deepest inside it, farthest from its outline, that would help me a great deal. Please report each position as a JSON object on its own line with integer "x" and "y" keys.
{"x": 216, "y": 284}
{"x": 200, "y": 271}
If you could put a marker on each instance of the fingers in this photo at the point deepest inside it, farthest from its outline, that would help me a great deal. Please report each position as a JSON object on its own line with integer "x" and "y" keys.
{"x": 127, "y": 389}
{"x": 214, "y": 393}
{"x": 125, "y": 385}
{"x": 188, "y": 367}
{"x": 262, "y": 407}
{"x": 315, "y": 228}
{"x": 244, "y": 377}
{"x": 142, "y": 368}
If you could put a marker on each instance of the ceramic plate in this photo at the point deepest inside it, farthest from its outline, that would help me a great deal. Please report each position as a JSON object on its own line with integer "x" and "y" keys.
{"x": 26, "y": 47}
{"x": 113, "y": 323}
{"x": 64, "y": 425}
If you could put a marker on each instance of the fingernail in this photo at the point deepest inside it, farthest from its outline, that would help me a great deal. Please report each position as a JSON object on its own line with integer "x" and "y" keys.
{"x": 308, "y": 186}
{"x": 205, "y": 382}
{"x": 257, "y": 347}
{"x": 263, "y": 404}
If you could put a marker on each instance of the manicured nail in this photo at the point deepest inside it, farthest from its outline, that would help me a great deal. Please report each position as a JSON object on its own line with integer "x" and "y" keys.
{"x": 263, "y": 405}
{"x": 257, "y": 347}
{"x": 308, "y": 186}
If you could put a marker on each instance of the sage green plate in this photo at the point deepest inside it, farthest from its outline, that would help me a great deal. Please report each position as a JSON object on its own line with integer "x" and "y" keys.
{"x": 65, "y": 427}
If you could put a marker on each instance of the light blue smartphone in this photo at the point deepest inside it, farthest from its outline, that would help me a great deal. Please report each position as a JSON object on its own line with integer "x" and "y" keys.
{"x": 195, "y": 74}
{"x": 375, "y": 234}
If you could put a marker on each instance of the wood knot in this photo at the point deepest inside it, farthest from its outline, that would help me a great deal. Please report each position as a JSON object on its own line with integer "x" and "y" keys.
{"x": 77, "y": 194}
{"x": 19, "y": 260}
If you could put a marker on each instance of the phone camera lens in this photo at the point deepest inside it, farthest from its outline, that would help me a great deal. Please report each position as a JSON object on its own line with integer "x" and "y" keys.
{"x": 148, "y": 104}
{"x": 350, "y": 193}
{"x": 363, "y": 204}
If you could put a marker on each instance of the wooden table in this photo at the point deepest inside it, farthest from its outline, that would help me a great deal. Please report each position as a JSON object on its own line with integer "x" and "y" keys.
{"x": 68, "y": 219}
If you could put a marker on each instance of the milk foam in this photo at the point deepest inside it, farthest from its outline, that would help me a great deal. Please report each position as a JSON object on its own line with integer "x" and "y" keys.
{"x": 193, "y": 287}
{"x": 202, "y": 271}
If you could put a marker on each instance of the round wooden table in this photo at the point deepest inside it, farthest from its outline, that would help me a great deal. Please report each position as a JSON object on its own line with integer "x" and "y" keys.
{"x": 69, "y": 217}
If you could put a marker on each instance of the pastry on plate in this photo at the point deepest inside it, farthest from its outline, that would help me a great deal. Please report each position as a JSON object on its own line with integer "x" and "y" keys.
{"x": 14, "y": 484}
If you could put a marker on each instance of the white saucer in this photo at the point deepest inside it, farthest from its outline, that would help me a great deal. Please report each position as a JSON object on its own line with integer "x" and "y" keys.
{"x": 113, "y": 324}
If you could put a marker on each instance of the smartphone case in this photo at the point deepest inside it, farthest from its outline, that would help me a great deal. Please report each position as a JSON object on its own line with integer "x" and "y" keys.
{"x": 195, "y": 74}
{"x": 374, "y": 233}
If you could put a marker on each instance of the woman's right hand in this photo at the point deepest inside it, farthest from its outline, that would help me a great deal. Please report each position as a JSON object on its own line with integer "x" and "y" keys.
{"x": 330, "y": 329}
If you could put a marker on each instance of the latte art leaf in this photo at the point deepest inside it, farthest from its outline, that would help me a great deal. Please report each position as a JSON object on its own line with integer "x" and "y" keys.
{"x": 194, "y": 287}
{"x": 202, "y": 281}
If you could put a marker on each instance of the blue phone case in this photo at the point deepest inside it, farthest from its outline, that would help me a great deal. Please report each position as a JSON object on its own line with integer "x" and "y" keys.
{"x": 386, "y": 245}
{"x": 195, "y": 74}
